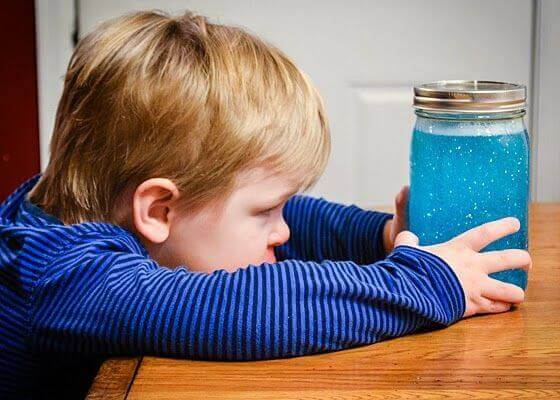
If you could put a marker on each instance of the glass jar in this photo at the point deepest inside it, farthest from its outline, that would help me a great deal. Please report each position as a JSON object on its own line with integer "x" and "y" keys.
{"x": 469, "y": 163}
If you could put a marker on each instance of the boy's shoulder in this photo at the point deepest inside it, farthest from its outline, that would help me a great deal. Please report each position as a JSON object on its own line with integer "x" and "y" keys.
{"x": 57, "y": 248}
{"x": 92, "y": 252}
{"x": 94, "y": 238}
{"x": 40, "y": 238}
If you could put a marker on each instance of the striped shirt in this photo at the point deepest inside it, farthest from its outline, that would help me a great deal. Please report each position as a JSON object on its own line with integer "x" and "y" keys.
{"x": 76, "y": 292}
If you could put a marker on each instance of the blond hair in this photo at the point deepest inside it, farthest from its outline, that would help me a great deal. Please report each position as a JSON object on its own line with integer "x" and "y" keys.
{"x": 153, "y": 95}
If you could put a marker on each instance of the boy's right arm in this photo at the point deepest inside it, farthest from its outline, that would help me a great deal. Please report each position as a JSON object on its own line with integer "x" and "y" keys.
{"x": 110, "y": 302}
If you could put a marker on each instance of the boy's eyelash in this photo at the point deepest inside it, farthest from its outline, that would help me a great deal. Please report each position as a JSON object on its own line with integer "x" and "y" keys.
{"x": 268, "y": 210}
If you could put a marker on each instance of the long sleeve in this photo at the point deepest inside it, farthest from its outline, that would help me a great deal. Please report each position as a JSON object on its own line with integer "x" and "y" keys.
{"x": 324, "y": 230}
{"x": 95, "y": 300}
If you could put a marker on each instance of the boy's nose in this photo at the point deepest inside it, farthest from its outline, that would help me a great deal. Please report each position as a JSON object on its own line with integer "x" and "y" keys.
{"x": 280, "y": 235}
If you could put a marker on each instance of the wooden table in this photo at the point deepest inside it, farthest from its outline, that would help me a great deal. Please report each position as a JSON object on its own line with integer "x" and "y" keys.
{"x": 509, "y": 355}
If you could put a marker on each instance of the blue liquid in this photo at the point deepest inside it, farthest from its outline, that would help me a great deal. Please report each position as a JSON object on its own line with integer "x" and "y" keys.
{"x": 458, "y": 182}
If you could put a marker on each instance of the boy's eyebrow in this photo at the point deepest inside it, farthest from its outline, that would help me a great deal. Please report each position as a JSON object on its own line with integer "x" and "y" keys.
{"x": 289, "y": 194}
{"x": 283, "y": 197}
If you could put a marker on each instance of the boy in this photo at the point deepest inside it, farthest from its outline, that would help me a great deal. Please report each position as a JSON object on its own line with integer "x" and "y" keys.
{"x": 168, "y": 221}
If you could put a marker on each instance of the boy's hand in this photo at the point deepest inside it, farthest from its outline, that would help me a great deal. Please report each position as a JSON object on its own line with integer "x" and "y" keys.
{"x": 399, "y": 222}
{"x": 483, "y": 294}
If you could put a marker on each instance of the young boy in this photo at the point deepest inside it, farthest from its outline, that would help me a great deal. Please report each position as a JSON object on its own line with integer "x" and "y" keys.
{"x": 168, "y": 221}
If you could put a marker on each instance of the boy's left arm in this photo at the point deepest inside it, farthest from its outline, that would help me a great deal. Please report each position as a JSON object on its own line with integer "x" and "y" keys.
{"x": 324, "y": 230}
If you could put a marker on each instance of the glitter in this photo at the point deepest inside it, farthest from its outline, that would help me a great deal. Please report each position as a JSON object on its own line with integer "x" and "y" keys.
{"x": 461, "y": 180}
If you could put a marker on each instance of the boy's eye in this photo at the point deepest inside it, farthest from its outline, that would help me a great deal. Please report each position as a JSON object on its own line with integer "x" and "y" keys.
{"x": 268, "y": 211}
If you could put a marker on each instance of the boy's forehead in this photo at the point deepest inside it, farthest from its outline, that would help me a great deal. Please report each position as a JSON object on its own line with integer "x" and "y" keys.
{"x": 264, "y": 177}
{"x": 267, "y": 183}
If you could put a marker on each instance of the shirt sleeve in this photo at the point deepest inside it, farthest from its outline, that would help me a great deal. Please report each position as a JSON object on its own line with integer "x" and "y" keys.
{"x": 118, "y": 303}
{"x": 324, "y": 230}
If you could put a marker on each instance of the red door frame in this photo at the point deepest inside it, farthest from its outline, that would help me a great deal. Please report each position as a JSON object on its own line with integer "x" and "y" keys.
{"x": 19, "y": 115}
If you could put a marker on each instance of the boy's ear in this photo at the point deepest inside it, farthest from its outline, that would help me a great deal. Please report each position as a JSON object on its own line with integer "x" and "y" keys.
{"x": 151, "y": 206}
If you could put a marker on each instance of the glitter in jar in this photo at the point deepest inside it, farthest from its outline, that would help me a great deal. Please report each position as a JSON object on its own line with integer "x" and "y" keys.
{"x": 472, "y": 180}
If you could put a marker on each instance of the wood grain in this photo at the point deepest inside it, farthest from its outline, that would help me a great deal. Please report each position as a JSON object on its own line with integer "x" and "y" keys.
{"x": 502, "y": 356}
{"x": 114, "y": 378}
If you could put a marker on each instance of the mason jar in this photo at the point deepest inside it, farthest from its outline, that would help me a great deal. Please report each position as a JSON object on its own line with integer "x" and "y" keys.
{"x": 469, "y": 163}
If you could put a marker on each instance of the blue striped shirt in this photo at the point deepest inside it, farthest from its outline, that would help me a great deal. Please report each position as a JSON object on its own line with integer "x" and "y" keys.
{"x": 91, "y": 290}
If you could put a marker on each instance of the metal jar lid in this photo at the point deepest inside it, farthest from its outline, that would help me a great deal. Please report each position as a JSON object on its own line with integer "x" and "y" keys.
{"x": 470, "y": 96}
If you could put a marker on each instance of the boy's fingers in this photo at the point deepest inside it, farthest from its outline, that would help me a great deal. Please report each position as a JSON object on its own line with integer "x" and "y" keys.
{"x": 404, "y": 202}
{"x": 493, "y": 306}
{"x": 494, "y": 289}
{"x": 406, "y": 192}
{"x": 402, "y": 197}
{"x": 481, "y": 236}
{"x": 406, "y": 238}
{"x": 494, "y": 261}
{"x": 401, "y": 214}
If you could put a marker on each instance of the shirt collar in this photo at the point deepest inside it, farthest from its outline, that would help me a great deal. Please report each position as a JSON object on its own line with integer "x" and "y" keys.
{"x": 36, "y": 211}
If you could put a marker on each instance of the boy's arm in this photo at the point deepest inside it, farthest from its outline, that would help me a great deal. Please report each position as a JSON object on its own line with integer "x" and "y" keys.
{"x": 115, "y": 303}
{"x": 324, "y": 230}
